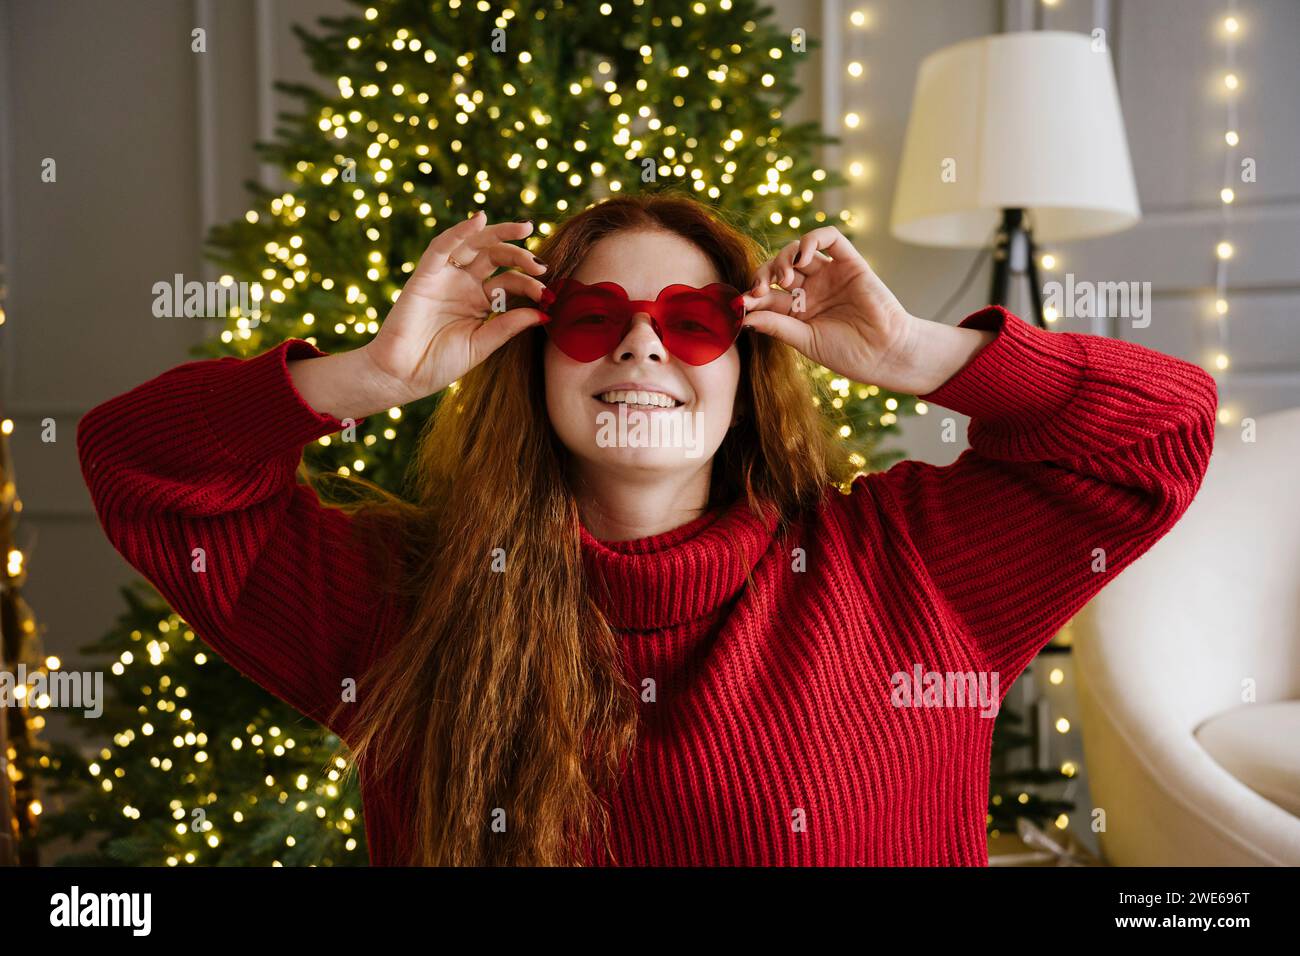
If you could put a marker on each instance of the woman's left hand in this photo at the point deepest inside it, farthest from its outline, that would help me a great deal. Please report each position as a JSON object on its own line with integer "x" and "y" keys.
{"x": 835, "y": 310}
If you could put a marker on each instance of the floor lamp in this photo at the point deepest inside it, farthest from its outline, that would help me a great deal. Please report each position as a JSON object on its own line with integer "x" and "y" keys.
{"x": 1015, "y": 139}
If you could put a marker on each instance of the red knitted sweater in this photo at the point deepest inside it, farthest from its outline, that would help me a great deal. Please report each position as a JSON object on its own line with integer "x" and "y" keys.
{"x": 782, "y": 730}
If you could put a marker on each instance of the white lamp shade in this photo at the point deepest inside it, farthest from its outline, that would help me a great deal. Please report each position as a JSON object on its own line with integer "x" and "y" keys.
{"x": 1015, "y": 120}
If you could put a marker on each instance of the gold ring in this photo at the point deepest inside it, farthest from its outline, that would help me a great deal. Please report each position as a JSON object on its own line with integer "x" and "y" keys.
{"x": 458, "y": 265}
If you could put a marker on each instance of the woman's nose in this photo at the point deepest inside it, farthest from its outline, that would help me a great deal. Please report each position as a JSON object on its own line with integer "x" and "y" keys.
{"x": 641, "y": 341}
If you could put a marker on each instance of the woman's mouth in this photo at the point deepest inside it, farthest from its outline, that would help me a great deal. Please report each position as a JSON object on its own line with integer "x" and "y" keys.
{"x": 637, "y": 399}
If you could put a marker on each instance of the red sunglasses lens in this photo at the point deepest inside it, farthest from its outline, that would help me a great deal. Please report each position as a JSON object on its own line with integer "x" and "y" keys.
{"x": 700, "y": 324}
{"x": 696, "y": 325}
{"x": 586, "y": 322}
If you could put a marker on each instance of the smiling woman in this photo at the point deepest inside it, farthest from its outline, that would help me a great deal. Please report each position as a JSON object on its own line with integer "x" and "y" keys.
{"x": 639, "y": 341}
{"x": 571, "y": 652}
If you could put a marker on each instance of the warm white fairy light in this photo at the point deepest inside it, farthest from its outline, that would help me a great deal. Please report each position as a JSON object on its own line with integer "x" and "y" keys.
{"x": 1224, "y": 249}
{"x": 852, "y": 121}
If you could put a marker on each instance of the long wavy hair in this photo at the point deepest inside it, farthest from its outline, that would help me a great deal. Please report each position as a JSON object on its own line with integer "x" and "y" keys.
{"x": 505, "y": 693}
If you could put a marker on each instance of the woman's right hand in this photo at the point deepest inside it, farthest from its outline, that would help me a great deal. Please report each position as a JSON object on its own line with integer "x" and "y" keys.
{"x": 438, "y": 329}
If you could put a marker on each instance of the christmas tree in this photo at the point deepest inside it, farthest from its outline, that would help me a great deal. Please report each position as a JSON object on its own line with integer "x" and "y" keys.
{"x": 432, "y": 109}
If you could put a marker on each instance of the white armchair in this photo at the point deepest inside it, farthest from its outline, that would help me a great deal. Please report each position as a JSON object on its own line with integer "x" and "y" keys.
{"x": 1187, "y": 772}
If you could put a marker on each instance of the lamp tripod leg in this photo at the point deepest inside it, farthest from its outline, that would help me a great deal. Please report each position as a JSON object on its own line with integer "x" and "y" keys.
{"x": 1035, "y": 289}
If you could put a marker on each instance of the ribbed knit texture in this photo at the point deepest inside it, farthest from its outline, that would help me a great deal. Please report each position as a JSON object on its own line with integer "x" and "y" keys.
{"x": 773, "y": 736}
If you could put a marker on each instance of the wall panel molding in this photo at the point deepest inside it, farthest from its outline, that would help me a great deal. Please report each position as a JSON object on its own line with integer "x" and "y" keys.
{"x": 264, "y": 38}
{"x": 205, "y": 129}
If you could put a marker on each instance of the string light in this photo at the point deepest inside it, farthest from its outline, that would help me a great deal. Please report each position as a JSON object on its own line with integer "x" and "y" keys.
{"x": 841, "y": 393}
{"x": 1223, "y": 249}
{"x": 21, "y": 750}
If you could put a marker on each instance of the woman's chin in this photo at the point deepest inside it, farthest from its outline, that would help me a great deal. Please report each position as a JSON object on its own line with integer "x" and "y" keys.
{"x": 645, "y": 459}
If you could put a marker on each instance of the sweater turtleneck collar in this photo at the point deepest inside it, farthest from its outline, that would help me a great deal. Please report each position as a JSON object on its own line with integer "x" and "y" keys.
{"x": 679, "y": 575}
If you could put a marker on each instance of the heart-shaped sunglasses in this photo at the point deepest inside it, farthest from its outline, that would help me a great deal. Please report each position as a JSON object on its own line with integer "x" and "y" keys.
{"x": 696, "y": 325}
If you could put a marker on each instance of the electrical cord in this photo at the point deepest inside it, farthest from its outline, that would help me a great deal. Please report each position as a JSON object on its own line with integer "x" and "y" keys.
{"x": 965, "y": 284}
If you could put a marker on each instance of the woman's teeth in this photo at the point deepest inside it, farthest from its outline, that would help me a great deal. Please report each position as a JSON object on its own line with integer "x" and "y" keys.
{"x": 638, "y": 398}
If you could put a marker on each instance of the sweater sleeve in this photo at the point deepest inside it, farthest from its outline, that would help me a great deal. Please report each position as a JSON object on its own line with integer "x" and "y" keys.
{"x": 1084, "y": 451}
{"x": 205, "y": 456}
